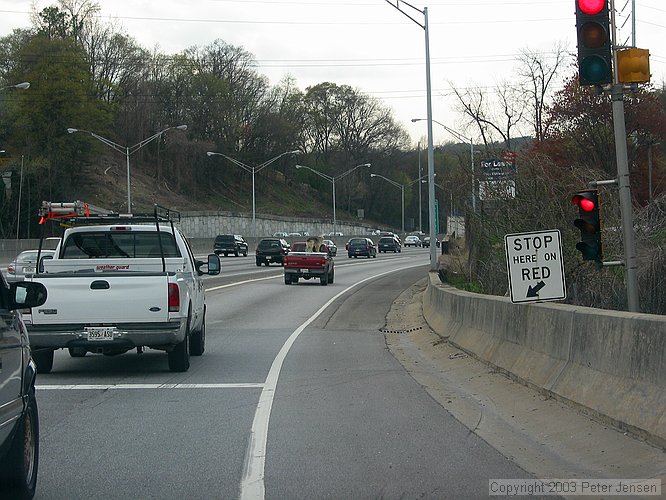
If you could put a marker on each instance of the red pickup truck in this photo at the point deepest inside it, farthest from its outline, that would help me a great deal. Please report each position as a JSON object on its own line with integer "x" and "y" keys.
{"x": 308, "y": 260}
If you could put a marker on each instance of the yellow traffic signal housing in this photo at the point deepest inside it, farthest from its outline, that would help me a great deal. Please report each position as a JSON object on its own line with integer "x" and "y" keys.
{"x": 633, "y": 65}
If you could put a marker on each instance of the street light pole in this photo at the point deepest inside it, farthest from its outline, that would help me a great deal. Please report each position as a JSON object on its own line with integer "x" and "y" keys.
{"x": 253, "y": 171}
{"x": 18, "y": 211}
{"x": 332, "y": 180}
{"x": 418, "y": 148}
{"x": 402, "y": 195}
{"x": 20, "y": 86}
{"x": 127, "y": 151}
{"x": 431, "y": 155}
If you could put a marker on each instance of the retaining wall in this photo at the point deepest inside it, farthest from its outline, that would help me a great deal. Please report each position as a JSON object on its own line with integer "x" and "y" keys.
{"x": 611, "y": 364}
{"x": 200, "y": 228}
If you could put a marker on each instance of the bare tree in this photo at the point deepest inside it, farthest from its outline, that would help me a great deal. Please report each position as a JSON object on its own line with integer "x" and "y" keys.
{"x": 493, "y": 117}
{"x": 540, "y": 73}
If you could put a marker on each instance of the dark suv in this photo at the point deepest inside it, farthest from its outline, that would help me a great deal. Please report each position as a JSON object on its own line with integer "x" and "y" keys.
{"x": 361, "y": 246}
{"x": 271, "y": 250}
{"x": 230, "y": 243}
{"x": 19, "y": 422}
{"x": 388, "y": 244}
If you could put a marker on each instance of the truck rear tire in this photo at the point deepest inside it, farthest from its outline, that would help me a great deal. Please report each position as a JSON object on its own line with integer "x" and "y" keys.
{"x": 287, "y": 280}
{"x": 198, "y": 339}
{"x": 323, "y": 281}
{"x": 77, "y": 352}
{"x": 331, "y": 276}
{"x": 43, "y": 359}
{"x": 179, "y": 357}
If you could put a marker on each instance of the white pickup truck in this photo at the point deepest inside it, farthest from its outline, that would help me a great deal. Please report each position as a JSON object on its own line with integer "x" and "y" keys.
{"x": 117, "y": 283}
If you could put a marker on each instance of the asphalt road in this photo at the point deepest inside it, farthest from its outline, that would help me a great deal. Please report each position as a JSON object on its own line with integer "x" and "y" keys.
{"x": 296, "y": 396}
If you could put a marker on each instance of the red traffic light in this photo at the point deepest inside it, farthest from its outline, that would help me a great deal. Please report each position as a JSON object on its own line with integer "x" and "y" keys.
{"x": 594, "y": 42}
{"x": 589, "y": 223}
{"x": 591, "y": 7}
{"x": 585, "y": 202}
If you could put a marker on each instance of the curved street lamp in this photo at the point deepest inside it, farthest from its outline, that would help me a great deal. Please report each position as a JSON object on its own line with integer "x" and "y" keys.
{"x": 127, "y": 151}
{"x": 252, "y": 170}
{"x": 332, "y": 179}
{"x": 462, "y": 138}
{"x": 401, "y": 5}
{"x": 402, "y": 193}
{"x": 21, "y": 86}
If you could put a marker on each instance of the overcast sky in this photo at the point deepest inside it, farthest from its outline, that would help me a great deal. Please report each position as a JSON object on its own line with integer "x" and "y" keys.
{"x": 370, "y": 45}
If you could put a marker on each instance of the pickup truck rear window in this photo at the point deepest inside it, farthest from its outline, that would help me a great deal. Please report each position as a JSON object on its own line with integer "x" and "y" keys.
{"x": 104, "y": 244}
{"x": 358, "y": 241}
{"x": 264, "y": 244}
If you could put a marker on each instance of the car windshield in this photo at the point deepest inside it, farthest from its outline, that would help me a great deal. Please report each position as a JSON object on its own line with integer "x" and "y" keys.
{"x": 104, "y": 244}
{"x": 358, "y": 241}
{"x": 386, "y": 240}
{"x": 225, "y": 238}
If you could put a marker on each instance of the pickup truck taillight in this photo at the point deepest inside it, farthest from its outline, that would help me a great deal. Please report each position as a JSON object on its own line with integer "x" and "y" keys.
{"x": 174, "y": 298}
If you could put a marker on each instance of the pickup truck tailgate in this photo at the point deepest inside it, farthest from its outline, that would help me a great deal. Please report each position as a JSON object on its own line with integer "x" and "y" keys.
{"x": 103, "y": 299}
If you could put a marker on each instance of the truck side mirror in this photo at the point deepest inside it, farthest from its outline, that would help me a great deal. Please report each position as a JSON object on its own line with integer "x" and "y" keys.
{"x": 214, "y": 264}
{"x": 25, "y": 294}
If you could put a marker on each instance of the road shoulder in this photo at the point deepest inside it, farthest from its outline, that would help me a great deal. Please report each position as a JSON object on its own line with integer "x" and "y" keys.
{"x": 545, "y": 437}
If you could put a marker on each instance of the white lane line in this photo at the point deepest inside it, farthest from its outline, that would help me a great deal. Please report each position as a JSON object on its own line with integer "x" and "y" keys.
{"x": 242, "y": 282}
{"x": 105, "y": 387}
{"x": 349, "y": 264}
{"x": 252, "y": 483}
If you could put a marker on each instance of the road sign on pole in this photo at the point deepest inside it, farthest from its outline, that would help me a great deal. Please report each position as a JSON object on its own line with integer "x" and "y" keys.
{"x": 535, "y": 267}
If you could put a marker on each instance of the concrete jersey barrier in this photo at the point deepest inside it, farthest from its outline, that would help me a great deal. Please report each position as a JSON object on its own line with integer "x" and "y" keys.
{"x": 610, "y": 364}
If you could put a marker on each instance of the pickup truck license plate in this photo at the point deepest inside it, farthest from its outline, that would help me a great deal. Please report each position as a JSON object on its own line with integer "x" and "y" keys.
{"x": 305, "y": 271}
{"x": 100, "y": 332}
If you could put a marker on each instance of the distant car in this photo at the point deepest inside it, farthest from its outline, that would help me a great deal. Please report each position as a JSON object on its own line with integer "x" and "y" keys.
{"x": 335, "y": 233}
{"x": 364, "y": 247}
{"x": 412, "y": 241}
{"x": 279, "y": 235}
{"x": 425, "y": 242}
{"x": 332, "y": 247}
{"x": 388, "y": 233}
{"x": 230, "y": 243}
{"x": 19, "y": 420}
{"x": 388, "y": 244}
{"x": 294, "y": 235}
{"x": 25, "y": 263}
{"x": 271, "y": 250}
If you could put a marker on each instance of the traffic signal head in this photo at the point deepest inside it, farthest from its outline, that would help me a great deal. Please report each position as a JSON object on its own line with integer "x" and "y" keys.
{"x": 589, "y": 223}
{"x": 594, "y": 42}
{"x": 633, "y": 65}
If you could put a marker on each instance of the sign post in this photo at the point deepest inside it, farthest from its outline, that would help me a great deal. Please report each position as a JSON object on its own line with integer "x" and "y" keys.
{"x": 535, "y": 267}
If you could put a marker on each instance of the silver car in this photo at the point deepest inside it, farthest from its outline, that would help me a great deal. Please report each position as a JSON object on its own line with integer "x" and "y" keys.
{"x": 332, "y": 247}
{"x": 25, "y": 263}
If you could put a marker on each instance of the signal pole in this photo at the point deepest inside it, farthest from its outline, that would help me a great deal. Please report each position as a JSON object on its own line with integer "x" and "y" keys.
{"x": 630, "y": 260}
